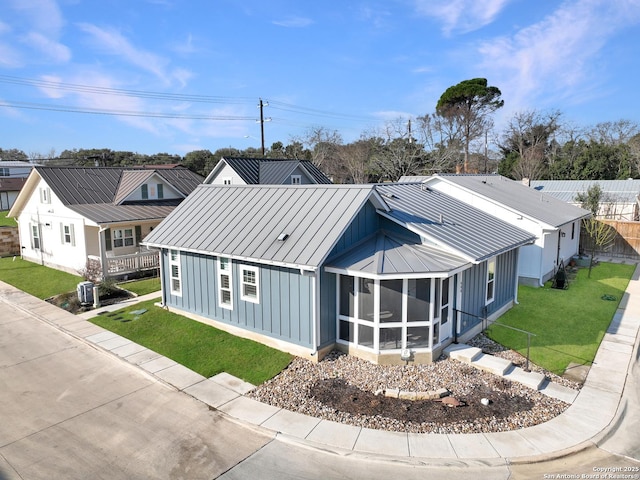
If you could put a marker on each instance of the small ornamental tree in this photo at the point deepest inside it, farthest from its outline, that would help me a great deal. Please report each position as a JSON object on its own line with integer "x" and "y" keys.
{"x": 601, "y": 236}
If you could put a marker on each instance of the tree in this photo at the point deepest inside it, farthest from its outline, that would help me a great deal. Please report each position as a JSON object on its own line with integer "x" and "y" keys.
{"x": 13, "y": 154}
{"x": 399, "y": 153}
{"x": 199, "y": 161}
{"x": 601, "y": 236}
{"x": 442, "y": 141}
{"x": 469, "y": 104}
{"x": 358, "y": 157}
{"x": 590, "y": 200}
{"x": 529, "y": 136}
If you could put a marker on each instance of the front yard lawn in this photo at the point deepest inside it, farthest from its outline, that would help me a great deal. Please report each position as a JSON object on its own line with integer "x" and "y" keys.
{"x": 142, "y": 286}
{"x": 569, "y": 324}
{"x": 39, "y": 281}
{"x": 197, "y": 346}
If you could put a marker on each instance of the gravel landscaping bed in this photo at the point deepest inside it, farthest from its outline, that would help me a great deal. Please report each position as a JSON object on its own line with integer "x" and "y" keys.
{"x": 343, "y": 388}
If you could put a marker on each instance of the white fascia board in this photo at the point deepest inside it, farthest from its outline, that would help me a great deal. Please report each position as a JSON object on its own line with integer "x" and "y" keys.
{"x": 395, "y": 276}
{"x": 215, "y": 170}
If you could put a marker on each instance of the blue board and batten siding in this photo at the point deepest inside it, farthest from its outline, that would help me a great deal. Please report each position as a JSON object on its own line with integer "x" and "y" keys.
{"x": 284, "y": 311}
{"x": 474, "y": 279}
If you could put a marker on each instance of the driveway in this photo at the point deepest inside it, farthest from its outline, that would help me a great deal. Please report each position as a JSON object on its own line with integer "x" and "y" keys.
{"x": 71, "y": 411}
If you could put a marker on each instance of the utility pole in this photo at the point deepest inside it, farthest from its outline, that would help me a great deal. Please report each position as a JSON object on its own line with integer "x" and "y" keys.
{"x": 262, "y": 120}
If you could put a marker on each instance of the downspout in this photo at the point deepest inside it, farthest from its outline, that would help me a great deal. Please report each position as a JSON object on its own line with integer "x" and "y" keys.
{"x": 315, "y": 284}
{"x": 161, "y": 275}
{"x": 517, "y": 283}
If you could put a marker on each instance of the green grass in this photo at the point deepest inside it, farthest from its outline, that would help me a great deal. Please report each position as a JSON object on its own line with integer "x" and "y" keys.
{"x": 39, "y": 281}
{"x": 569, "y": 324}
{"x": 199, "y": 347}
{"x": 7, "y": 222}
{"x": 143, "y": 286}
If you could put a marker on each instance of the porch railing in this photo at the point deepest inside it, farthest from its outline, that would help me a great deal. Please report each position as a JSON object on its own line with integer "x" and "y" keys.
{"x": 124, "y": 264}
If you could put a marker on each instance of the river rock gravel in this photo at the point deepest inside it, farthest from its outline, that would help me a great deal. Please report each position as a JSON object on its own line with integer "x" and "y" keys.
{"x": 346, "y": 389}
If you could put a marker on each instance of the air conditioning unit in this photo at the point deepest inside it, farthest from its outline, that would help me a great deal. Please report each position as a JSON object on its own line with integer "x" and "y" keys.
{"x": 85, "y": 292}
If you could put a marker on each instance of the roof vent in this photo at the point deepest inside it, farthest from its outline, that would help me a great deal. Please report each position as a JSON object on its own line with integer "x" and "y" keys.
{"x": 282, "y": 237}
{"x": 441, "y": 218}
{"x": 388, "y": 195}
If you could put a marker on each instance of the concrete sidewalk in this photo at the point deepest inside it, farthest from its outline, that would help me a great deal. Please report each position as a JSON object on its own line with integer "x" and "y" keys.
{"x": 582, "y": 424}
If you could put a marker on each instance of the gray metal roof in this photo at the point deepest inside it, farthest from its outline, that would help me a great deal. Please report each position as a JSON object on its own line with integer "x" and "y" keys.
{"x": 270, "y": 171}
{"x": 12, "y": 184}
{"x": 245, "y": 221}
{"x": 388, "y": 254}
{"x": 619, "y": 191}
{"x": 517, "y": 197}
{"x": 15, "y": 164}
{"x": 102, "y": 213}
{"x": 86, "y": 185}
{"x": 450, "y": 223}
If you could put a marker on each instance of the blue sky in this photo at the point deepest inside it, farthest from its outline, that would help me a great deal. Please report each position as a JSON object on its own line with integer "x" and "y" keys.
{"x": 188, "y": 75}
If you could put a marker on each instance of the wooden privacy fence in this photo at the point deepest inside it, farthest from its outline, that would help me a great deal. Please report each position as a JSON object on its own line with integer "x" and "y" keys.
{"x": 626, "y": 243}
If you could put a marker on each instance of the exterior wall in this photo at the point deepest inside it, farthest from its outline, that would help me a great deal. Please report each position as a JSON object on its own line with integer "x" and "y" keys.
{"x": 304, "y": 178}
{"x": 49, "y": 218}
{"x": 227, "y": 172}
{"x": 284, "y": 311}
{"x": 9, "y": 241}
{"x": 474, "y": 282}
{"x": 144, "y": 228}
{"x": 17, "y": 172}
{"x": 328, "y": 308}
{"x": 366, "y": 223}
{"x": 168, "y": 191}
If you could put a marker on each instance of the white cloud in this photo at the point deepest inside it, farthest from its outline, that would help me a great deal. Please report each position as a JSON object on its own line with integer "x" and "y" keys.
{"x": 44, "y": 15}
{"x": 293, "y": 22}
{"x": 115, "y": 43}
{"x": 461, "y": 15}
{"x": 54, "y": 50}
{"x": 555, "y": 57}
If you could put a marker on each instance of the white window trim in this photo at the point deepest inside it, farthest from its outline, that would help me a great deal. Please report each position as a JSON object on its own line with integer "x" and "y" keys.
{"x": 492, "y": 281}
{"x": 71, "y": 234}
{"x": 175, "y": 263}
{"x": 296, "y": 179}
{"x": 123, "y": 238}
{"x": 227, "y": 180}
{"x": 45, "y": 195}
{"x": 229, "y": 273}
{"x": 35, "y": 235}
{"x": 243, "y": 296}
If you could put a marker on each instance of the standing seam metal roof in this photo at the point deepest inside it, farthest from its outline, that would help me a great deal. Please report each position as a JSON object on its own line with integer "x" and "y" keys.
{"x": 268, "y": 171}
{"x": 450, "y": 223}
{"x": 245, "y": 221}
{"x": 516, "y": 197}
{"x": 622, "y": 191}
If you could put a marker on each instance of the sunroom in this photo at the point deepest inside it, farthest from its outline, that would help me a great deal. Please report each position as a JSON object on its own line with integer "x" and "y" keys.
{"x": 395, "y": 300}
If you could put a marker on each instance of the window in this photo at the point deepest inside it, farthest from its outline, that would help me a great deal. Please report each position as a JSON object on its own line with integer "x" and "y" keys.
{"x": 250, "y": 288}
{"x": 35, "y": 237}
{"x": 226, "y": 180}
{"x": 160, "y": 191}
{"x": 45, "y": 195}
{"x": 296, "y": 179}
{"x": 123, "y": 237}
{"x": 174, "y": 267}
{"x": 225, "y": 291}
{"x": 4, "y": 172}
{"x": 67, "y": 234}
{"x": 491, "y": 273}
{"x": 144, "y": 191}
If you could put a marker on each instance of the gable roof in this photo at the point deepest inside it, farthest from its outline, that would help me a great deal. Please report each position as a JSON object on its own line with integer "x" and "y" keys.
{"x": 515, "y": 196}
{"x": 245, "y": 222}
{"x": 620, "y": 191}
{"x": 450, "y": 223}
{"x": 268, "y": 171}
{"x": 95, "y": 192}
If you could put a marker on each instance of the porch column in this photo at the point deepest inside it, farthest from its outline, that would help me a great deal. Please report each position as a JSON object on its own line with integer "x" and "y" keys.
{"x": 103, "y": 253}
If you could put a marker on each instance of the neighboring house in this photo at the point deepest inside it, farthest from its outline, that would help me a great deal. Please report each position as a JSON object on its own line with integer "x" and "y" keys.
{"x": 265, "y": 171}
{"x": 373, "y": 270}
{"x": 12, "y": 178}
{"x": 68, "y": 216}
{"x": 555, "y": 224}
{"x": 620, "y": 198}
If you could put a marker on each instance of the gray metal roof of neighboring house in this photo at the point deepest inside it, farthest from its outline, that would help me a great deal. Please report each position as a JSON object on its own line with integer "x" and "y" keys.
{"x": 15, "y": 164}
{"x": 102, "y": 213}
{"x": 86, "y": 185}
{"x": 129, "y": 181}
{"x": 267, "y": 171}
{"x": 622, "y": 191}
{"x": 245, "y": 221}
{"x": 517, "y": 197}
{"x": 450, "y": 223}
{"x": 386, "y": 253}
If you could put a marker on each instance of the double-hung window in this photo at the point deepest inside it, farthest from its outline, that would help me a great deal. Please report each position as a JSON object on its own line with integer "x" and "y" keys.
{"x": 123, "y": 237}
{"x": 144, "y": 191}
{"x": 491, "y": 280}
{"x": 174, "y": 267}
{"x": 296, "y": 179}
{"x": 35, "y": 236}
{"x": 67, "y": 234}
{"x": 225, "y": 286}
{"x": 250, "y": 284}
